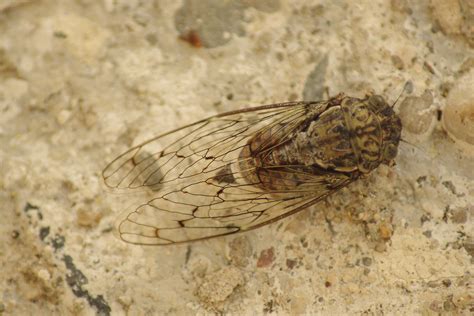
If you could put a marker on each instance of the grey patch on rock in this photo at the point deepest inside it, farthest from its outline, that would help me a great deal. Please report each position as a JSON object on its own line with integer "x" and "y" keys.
{"x": 416, "y": 116}
{"x": 44, "y": 232}
{"x": 58, "y": 242}
{"x": 240, "y": 251}
{"x": 314, "y": 86}
{"x": 76, "y": 279}
{"x": 28, "y": 208}
{"x": 214, "y": 21}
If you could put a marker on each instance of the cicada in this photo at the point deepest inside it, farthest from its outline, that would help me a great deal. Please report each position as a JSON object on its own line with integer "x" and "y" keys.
{"x": 244, "y": 169}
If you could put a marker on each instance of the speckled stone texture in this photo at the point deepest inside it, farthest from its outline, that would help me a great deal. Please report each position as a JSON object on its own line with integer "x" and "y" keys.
{"x": 81, "y": 81}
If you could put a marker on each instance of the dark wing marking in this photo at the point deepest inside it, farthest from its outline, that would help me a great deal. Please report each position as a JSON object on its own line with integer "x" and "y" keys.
{"x": 195, "y": 188}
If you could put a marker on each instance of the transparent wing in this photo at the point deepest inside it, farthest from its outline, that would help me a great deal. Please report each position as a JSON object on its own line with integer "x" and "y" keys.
{"x": 194, "y": 183}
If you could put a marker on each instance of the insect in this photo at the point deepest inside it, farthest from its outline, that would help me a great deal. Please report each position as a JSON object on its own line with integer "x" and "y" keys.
{"x": 244, "y": 169}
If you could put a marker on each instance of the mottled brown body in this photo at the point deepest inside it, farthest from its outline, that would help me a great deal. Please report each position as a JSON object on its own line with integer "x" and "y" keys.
{"x": 342, "y": 139}
{"x": 244, "y": 169}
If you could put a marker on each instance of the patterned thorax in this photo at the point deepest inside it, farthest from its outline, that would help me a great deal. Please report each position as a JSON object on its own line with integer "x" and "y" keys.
{"x": 352, "y": 135}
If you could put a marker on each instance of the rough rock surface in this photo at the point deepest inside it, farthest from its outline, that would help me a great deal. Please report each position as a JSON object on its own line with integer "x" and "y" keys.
{"x": 82, "y": 80}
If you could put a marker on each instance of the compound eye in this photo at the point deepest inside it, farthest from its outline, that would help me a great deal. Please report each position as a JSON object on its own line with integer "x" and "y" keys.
{"x": 377, "y": 100}
{"x": 390, "y": 152}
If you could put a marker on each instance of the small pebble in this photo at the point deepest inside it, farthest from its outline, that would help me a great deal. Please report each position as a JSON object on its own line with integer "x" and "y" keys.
{"x": 458, "y": 116}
